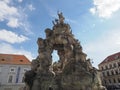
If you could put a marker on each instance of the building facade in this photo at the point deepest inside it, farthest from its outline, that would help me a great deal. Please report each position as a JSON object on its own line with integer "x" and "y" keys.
{"x": 110, "y": 71}
{"x": 12, "y": 69}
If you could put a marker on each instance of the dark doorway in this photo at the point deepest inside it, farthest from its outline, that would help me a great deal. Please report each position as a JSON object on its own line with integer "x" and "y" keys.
{"x": 50, "y": 88}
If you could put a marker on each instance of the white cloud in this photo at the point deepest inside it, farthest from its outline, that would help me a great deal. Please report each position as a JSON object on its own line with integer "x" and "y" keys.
{"x": 13, "y": 22}
{"x": 105, "y": 8}
{"x": 11, "y": 37}
{"x": 93, "y": 10}
{"x": 106, "y": 45}
{"x": 30, "y": 7}
{"x": 14, "y": 17}
{"x": 8, "y": 49}
{"x": 7, "y": 11}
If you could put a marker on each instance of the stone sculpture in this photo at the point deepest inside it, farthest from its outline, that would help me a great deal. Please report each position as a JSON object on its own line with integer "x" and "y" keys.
{"x": 72, "y": 72}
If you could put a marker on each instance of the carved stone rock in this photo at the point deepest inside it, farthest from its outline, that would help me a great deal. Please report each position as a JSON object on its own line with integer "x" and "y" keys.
{"x": 72, "y": 72}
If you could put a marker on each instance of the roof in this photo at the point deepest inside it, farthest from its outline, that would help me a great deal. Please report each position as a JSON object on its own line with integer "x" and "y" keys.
{"x": 13, "y": 59}
{"x": 111, "y": 58}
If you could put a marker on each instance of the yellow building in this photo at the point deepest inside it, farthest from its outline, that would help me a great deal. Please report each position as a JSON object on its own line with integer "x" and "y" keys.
{"x": 110, "y": 71}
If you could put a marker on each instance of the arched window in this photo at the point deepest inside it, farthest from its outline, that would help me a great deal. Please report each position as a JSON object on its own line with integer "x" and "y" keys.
{"x": 106, "y": 67}
{"x": 10, "y": 79}
{"x": 118, "y": 64}
{"x": 118, "y": 80}
{"x": 114, "y": 80}
{"x": 116, "y": 71}
{"x": 108, "y": 74}
{"x": 110, "y": 66}
{"x": 102, "y": 68}
{"x": 114, "y": 64}
{"x": 112, "y": 73}
{"x": 109, "y": 81}
{"x": 103, "y": 73}
{"x": 105, "y": 81}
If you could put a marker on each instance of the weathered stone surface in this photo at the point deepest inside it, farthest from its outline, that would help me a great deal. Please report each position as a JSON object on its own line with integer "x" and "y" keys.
{"x": 72, "y": 72}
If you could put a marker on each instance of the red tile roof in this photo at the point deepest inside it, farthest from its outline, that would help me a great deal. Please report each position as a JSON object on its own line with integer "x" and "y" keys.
{"x": 111, "y": 58}
{"x": 13, "y": 59}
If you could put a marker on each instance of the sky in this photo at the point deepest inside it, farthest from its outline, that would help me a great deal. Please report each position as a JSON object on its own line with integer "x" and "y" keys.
{"x": 95, "y": 23}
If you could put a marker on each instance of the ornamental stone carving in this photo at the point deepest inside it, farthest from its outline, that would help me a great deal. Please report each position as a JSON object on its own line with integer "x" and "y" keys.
{"x": 72, "y": 71}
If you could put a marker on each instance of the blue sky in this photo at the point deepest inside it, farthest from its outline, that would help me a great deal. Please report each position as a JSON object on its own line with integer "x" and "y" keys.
{"x": 95, "y": 23}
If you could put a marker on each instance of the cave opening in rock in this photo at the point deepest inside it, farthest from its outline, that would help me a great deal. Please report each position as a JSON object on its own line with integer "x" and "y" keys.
{"x": 55, "y": 56}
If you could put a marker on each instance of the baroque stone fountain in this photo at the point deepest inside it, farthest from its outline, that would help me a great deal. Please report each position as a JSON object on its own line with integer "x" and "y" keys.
{"x": 72, "y": 71}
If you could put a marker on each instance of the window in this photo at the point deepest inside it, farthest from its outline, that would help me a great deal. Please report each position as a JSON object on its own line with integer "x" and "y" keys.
{"x": 10, "y": 79}
{"x": 116, "y": 71}
{"x": 110, "y": 66}
{"x": 108, "y": 73}
{"x": 118, "y": 80}
{"x": 25, "y": 69}
{"x": 118, "y": 64}
{"x": 2, "y": 59}
{"x": 103, "y": 73}
{"x": 102, "y": 68}
{"x": 0, "y": 69}
{"x": 23, "y": 79}
{"x": 114, "y": 80}
{"x": 114, "y": 64}
{"x": 112, "y": 73}
{"x": 21, "y": 60}
{"x": 105, "y": 82}
{"x": 12, "y": 69}
{"x": 106, "y": 67}
{"x": 109, "y": 81}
